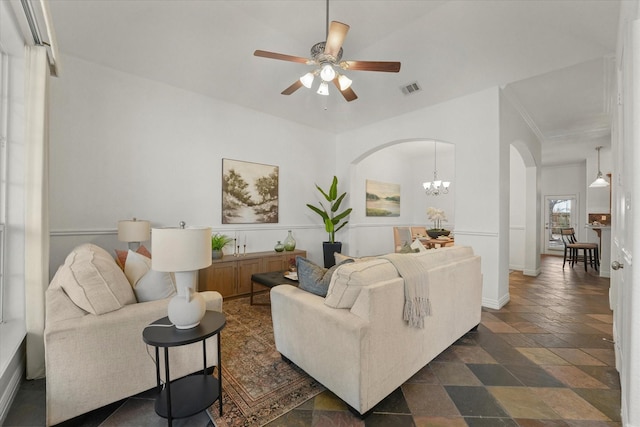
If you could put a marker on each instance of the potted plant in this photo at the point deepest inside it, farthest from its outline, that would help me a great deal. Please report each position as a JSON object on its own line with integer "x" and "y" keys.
{"x": 218, "y": 242}
{"x": 332, "y": 220}
{"x": 437, "y": 216}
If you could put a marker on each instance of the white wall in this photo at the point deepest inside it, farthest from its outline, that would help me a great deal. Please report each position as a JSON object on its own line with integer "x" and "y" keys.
{"x": 517, "y": 210}
{"x": 122, "y": 146}
{"x": 408, "y": 167}
{"x": 471, "y": 124}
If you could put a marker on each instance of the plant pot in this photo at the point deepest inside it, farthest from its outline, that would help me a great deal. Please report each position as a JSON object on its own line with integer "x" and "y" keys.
{"x": 434, "y": 233}
{"x": 328, "y": 249}
{"x": 216, "y": 254}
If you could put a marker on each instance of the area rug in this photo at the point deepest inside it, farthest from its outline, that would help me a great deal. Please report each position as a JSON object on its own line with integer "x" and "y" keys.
{"x": 257, "y": 385}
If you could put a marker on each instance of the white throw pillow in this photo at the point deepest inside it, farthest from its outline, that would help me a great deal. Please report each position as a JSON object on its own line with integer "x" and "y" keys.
{"x": 348, "y": 280}
{"x": 417, "y": 244}
{"x": 93, "y": 281}
{"x": 148, "y": 284}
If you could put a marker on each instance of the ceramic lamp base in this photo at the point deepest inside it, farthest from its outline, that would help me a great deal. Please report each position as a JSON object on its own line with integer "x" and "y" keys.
{"x": 186, "y": 308}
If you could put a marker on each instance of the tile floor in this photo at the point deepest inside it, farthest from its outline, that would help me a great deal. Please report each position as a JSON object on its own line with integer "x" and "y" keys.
{"x": 545, "y": 359}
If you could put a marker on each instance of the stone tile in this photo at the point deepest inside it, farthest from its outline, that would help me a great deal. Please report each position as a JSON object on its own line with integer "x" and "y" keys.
{"x": 327, "y": 401}
{"x": 141, "y": 412}
{"x": 602, "y": 327}
{"x": 490, "y": 422}
{"x": 500, "y": 327}
{"x": 528, "y": 328}
{"x": 605, "y": 318}
{"x": 495, "y": 375}
{"x": 608, "y": 356}
{"x": 573, "y": 377}
{"x": 386, "y": 420}
{"x": 295, "y": 418}
{"x": 394, "y": 403}
{"x": 533, "y": 376}
{"x": 473, "y": 355}
{"x": 429, "y": 400}
{"x": 521, "y": 402}
{"x": 569, "y": 405}
{"x": 607, "y": 375}
{"x": 576, "y": 356}
{"x": 607, "y": 401}
{"x": 475, "y": 402}
{"x": 540, "y": 423}
{"x": 454, "y": 374}
{"x": 424, "y": 375}
{"x": 548, "y": 340}
{"x": 333, "y": 419}
{"x": 542, "y": 356}
{"x": 518, "y": 340}
{"x": 422, "y": 421}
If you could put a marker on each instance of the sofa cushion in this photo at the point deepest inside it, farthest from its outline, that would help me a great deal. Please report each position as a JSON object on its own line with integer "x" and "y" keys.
{"x": 348, "y": 280}
{"x": 313, "y": 278}
{"x": 148, "y": 284}
{"x": 93, "y": 281}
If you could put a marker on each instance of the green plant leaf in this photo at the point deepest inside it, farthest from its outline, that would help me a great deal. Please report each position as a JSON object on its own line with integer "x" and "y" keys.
{"x": 326, "y": 196}
{"x": 319, "y": 211}
{"x": 333, "y": 191}
{"x": 336, "y": 205}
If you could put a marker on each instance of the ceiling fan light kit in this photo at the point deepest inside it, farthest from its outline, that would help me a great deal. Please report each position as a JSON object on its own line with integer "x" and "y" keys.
{"x": 327, "y": 55}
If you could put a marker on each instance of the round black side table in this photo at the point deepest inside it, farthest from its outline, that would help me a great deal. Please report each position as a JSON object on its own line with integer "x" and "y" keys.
{"x": 189, "y": 395}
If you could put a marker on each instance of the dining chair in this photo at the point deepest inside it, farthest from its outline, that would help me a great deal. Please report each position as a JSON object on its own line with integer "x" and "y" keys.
{"x": 401, "y": 235}
{"x": 572, "y": 247}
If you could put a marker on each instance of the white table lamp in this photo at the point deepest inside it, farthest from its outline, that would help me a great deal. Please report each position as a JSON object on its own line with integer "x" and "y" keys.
{"x": 184, "y": 251}
{"x": 133, "y": 231}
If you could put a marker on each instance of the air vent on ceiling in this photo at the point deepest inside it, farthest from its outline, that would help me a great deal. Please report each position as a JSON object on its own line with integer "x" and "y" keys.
{"x": 411, "y": 88}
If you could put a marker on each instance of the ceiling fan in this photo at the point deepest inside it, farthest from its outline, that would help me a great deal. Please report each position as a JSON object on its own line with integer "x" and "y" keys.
{"x": 326, "y": 56}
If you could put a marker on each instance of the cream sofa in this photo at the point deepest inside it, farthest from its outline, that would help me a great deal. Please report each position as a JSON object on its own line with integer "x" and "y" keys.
{"x": 355, "y": 341}
{"x": 95, "y": 355}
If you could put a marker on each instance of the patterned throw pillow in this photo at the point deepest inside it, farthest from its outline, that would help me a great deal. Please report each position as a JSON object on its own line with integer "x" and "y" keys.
{"x": 313, "y": 278}
{"x": 121, "y": 256}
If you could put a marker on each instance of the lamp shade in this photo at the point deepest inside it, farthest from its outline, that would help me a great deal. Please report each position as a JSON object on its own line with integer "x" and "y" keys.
{"x": 181, "y": 249}
{"x": 133, "y": 230}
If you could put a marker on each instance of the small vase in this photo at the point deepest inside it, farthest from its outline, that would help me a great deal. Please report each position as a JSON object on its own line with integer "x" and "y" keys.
{"x": 216, "y": 254}
{"x": 289, "y": 242}
{"x": 279, "y": 247}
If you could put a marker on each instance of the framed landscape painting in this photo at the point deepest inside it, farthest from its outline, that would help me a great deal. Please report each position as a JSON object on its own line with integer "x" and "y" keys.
{"x": 383, "y": 198}
{"x": 249, "y": 192}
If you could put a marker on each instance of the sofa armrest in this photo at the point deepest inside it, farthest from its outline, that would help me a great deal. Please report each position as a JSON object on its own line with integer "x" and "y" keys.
{"x": 108, "y": 350}
{"x": 325, "y": 342}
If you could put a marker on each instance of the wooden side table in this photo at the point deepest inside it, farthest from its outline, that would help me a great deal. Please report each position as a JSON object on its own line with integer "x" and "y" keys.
{"x": 189, "y": 395}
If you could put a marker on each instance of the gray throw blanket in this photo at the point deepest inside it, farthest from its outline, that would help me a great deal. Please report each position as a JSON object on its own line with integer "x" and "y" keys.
{"x": 416, "y": 288}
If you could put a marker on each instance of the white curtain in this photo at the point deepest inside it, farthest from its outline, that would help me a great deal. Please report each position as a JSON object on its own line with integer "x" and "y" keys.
{"x": 37, "y": 206}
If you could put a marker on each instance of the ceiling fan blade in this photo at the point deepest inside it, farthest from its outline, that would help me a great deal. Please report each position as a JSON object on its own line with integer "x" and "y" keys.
{"x": 335, "y": 38}
{"x": 280, "y": 56}
{"x": 348, "y": 93}
{"x": 386, "y": 66}
{"x": 294, "y": 87}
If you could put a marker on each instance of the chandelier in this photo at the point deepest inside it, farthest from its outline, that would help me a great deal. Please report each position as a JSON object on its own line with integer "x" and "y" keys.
{"x": 437, "y": 186}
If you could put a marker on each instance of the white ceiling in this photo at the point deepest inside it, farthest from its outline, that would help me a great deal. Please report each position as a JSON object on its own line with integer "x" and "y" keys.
{"x": 555, "y": 58}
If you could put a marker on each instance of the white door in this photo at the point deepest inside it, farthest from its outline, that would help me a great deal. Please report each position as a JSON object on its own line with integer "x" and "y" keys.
{"x": 624, "y": 296}
{"x": 560, "y": 212}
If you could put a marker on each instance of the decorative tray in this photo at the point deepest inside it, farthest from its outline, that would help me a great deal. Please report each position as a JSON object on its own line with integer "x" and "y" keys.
{"x": 291, "y": 275}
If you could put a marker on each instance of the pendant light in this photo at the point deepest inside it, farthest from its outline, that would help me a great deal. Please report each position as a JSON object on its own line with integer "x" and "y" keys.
{"x": 437, "y": 186}
{"x": 600, "y": 181}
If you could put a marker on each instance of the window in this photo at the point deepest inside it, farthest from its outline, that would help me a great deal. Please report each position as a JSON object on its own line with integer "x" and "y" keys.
{"x": 3, "y": 168}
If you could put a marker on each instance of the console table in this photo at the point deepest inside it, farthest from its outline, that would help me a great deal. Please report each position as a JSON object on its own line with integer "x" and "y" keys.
{"x": 231, "y": 275}
{"x": 191, "y": 394}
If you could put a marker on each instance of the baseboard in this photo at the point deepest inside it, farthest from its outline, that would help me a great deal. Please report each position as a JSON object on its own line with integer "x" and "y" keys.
{"x": 496, "y": 304}
{"x": 13, "y": 385}
{"x": 533, "y": 273}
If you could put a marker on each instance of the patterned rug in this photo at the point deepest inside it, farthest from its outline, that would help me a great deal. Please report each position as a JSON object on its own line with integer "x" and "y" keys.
{"x": 257, "y": 385}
